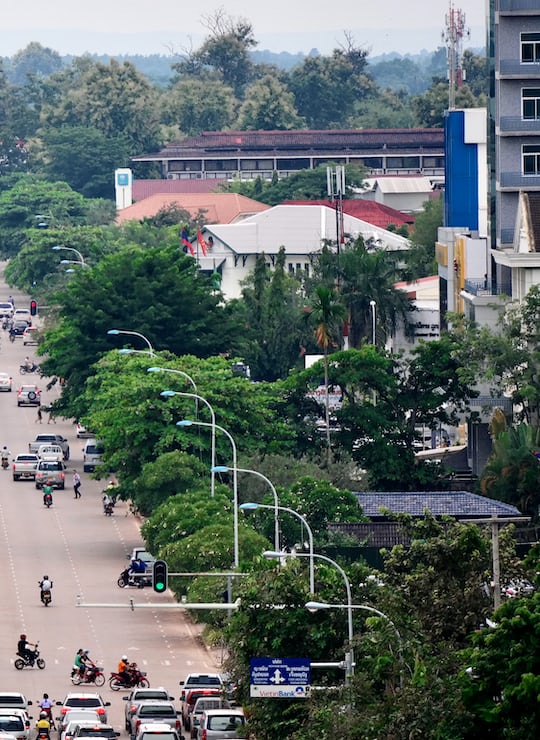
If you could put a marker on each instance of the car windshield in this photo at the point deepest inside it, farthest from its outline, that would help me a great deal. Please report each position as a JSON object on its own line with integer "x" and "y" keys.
{"x": 204, "y": 681}
{"x": 54, "y": 465}
{"x": 149, "y": 694}
{"x": 224, "y": 723}
{"x": 79, "y": 701}
{"x": 162, "y": 736}
{"x": 11, "y": 723}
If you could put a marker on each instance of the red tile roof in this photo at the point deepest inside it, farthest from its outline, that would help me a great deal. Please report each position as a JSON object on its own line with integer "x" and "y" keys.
{"x": 367, "y": 210}
{"x": 218, "y": 208}
{"x": 146, "y": 188}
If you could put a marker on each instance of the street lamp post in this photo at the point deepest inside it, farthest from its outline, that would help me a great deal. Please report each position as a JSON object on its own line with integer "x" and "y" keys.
{"x": 225, "y": 469}
{"x": 114, "y": 332}
{"x": 170, "y": 394}
{"x": 176, "y": 372}
{"x": 315, "y": 605}
{"x": 373, "y": 307}
{"x": 80, "y": 258}
{"x": 252, "y": 506}
{"x": 188, "y": 423}
{"x": 349, "y": 656}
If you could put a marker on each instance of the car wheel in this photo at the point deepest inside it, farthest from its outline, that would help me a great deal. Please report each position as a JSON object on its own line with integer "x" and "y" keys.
{"x": 32, "y": 395}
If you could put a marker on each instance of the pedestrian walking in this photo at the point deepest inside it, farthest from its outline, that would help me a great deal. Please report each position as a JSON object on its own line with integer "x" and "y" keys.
{"x": 39, "y": 417}
{"x": 51, "y": 417}
{"x": 76, "y": 483}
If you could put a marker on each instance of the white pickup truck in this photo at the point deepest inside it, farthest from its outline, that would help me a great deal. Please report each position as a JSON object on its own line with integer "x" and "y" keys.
{"x": 50, "y": 439}
{"x": 50, "y": 452}
{"x": 24, "y": 466}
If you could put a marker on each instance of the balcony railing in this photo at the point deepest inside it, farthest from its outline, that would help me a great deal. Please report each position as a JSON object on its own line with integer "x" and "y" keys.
{"x": 518, "y": 68}
{"x": 518, "y": 125}
{"x": 482, "y": 286}
{"x": 519, "y": 180}
{"x": 516, "y": 5}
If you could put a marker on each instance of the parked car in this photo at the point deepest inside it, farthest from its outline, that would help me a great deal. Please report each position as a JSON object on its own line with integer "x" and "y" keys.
{"x": 76, "y": 700}
{"x": 6, "y": 382}
{"x": 147, "y": 712}
{"x": 157, "y": 731}
{"x": 28, "y": 395}
{"x": 92, "y": 454}
{"x": 139, "y": 695}
{"x": 30, "y": 335}
{"x": 53, "y": 471}
{"x": 221, "y": 724}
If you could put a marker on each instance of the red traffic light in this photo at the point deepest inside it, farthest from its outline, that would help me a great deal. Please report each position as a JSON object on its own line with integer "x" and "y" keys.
{"x": 33, "y": 308}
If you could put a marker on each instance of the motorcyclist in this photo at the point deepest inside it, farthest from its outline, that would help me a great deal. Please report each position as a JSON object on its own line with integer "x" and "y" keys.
{"x": 47, "y": 492}
{"x": 46, "y": 706}
{"x": 43, "y": 724}
{"x": 110, "y": 491}
{"x": 123, "y": 670}
{"x": 24, "y": 651}
{"x": 89, "y": 665}
{"x": 4, "y": 454}
{"x": 78, "y": 663}
{"x": 28, "y": 364}
{"x": 45, "y": 585}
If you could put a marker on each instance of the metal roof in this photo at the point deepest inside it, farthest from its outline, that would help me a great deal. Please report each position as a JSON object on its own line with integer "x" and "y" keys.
{"x": 459, "y": 504}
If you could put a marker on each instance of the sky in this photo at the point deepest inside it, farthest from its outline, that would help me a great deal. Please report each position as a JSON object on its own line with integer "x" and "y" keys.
{"x": 170, "y": 26}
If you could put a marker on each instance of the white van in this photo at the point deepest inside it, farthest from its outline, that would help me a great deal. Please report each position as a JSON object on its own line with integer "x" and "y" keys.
{"x": 92, "y": 455}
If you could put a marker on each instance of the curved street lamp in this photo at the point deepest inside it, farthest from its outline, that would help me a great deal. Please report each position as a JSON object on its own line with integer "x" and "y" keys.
{"x": 114, "y": 332}
{"x": 226, "y": 468}
{"x": 80, "y": 258}
{"x": 170, "y": 394}
{"x": 349, "y": 656}
{"x": 188, "y": 423}
{"x": 251, "y": 506}
{"x": 316, "y": 605}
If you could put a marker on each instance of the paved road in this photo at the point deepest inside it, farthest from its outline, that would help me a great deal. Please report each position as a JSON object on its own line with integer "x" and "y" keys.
{"x": 83, "y": 552}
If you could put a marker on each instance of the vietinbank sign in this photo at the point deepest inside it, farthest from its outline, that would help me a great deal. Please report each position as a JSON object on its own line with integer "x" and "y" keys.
{"x": 280, "y": 678}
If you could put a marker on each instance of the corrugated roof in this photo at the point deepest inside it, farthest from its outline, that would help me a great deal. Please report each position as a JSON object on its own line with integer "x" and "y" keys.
{"x": 300, "y": 229}
{"x": 402, "y": 184}
{"x": 218, "y": 208}
{"x": 459, "y": 504}
{"x": 370, "y": 211}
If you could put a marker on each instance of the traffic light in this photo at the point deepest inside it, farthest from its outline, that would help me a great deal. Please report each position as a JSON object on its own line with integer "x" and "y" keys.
{"x": 33, "y": 308}
{"x": 159, "y": 576}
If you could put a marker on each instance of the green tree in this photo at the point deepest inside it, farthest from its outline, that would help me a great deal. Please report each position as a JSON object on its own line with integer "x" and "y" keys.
{"x": 33, "y": 61}
{"x": 268, "y": 105}
{"x": 194, "y": 105}
{"x": 84, "y": 157}
{"x": 429, "y": 108}
{"x": 503, "y": 690}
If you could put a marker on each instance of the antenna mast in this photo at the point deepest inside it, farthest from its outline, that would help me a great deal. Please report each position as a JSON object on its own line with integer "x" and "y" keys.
{"x": 453, "y": 37}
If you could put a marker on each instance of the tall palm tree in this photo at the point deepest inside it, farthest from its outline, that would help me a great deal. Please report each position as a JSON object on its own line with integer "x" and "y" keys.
{"x": 327, "y": 313}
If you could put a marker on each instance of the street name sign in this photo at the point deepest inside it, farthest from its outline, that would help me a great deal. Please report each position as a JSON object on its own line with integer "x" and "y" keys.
{"x": 280, "y": 678}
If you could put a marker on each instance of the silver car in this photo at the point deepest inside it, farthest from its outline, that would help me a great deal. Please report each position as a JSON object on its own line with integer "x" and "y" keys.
{"x": 148, "y": 712}
{"x": 221, "y": 724}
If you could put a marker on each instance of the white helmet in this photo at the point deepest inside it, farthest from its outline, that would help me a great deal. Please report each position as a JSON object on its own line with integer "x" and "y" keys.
{"x": 124, "y": 657}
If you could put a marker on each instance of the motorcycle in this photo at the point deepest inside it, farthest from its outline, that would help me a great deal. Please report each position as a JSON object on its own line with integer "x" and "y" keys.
{"x": 94, "y": 675}
{"x": 108, "y": 509}
{"x": 28, "y": 369}
{"x": 128, "y": 579}
{"x": 43, "y": 733}
{"x": 46, "y": 598}
{"x": 29, "y": 661}
{"x": 47, "y": 500}
{"x": 5, "y": 463}
{"x": 137, "y": 679}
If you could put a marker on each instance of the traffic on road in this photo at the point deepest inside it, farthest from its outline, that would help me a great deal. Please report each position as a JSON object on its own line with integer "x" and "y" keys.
{"x": 78, "y": 553}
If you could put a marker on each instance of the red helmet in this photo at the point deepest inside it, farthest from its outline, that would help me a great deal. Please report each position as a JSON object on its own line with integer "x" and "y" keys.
{"x": 23, "y": 637}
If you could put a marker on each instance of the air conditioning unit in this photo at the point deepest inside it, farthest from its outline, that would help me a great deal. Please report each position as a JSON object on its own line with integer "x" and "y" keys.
{"x": 172, "y": 176}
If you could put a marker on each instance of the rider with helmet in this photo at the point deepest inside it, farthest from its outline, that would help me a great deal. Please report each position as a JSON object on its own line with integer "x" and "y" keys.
{"x": 123, "y": 670}
{"x": 88, "y": 663}
{"x": 46, "y": 708}
{"x": 45, "y": 585}
{"x": 43, "y": 726}
{"x": 24, "y": 651}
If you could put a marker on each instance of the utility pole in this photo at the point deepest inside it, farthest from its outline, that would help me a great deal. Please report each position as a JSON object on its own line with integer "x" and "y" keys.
{"x": 453, "y": 37}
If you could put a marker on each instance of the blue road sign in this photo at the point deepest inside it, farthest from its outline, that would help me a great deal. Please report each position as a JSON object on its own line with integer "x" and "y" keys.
{"x": 280, "y": 678}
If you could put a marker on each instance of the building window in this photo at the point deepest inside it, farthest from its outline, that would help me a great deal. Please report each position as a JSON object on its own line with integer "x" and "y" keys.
{"x": 531, "y": 159}
{"x": 291, "y": 268}
{"x": 306, "y": 269}
{"x": 530, "y": 48}
{"x": 530, "y": 104}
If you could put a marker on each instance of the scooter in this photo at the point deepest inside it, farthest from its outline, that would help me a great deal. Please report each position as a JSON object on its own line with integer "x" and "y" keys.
{"x": 47, "y": 500}
{"x": 29, "y": 662}
{"x": 127, "y": 579}
{"x": 5, "y": 463}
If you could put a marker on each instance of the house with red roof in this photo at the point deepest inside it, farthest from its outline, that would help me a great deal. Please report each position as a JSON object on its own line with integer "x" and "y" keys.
{"x": 217, "y": 208}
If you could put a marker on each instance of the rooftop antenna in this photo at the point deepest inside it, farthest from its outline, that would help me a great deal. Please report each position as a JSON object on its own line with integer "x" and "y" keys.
{"x": 453, "y": 35}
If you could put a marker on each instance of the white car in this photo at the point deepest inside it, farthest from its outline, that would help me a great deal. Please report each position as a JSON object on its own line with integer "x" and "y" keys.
{"x": 30, "y": 335}
{"x": 67, "y": 732}
{"x": 22, "y": 313}
{"x": 74, "y": 717}
{"x": 6, "y": 309}
{"x": 16, "y": 722}
{"x": 28, "y": 395}
{"x": 6, "y": 382}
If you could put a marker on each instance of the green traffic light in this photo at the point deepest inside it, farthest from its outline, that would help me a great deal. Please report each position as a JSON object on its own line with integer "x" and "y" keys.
{"x": 160, "y": 587}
